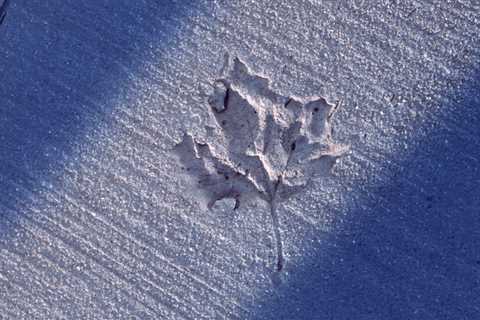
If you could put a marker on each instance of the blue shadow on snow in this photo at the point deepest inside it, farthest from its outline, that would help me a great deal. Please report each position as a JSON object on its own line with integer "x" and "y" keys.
{"x": 408, "y": 249}
{"x": 61, "y": 61}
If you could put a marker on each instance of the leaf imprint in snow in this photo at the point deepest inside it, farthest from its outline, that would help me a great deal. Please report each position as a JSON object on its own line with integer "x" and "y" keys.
{"x": 274, "y": 145}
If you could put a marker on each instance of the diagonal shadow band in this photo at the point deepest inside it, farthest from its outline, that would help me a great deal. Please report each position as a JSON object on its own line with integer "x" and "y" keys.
{"x": 409, "y": 247}
{"x": 61, "y": 63}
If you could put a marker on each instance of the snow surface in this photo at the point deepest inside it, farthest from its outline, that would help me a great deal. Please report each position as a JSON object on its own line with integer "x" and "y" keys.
{"x": 96, "y": 221}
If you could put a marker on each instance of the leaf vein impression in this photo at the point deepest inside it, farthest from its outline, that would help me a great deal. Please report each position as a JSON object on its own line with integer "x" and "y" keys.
{"x": 274, "y": 145}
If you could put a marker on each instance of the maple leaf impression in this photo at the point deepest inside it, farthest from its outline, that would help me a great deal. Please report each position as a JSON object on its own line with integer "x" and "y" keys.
{"x": 273, "y": 145}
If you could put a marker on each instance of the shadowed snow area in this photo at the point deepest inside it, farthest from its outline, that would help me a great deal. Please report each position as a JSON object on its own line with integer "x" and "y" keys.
{"x": 406, "y": 245}
{"x": 99, "y": 220}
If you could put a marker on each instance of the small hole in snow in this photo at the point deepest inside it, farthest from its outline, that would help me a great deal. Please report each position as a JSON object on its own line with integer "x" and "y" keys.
{"x": 288, "y": 102}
